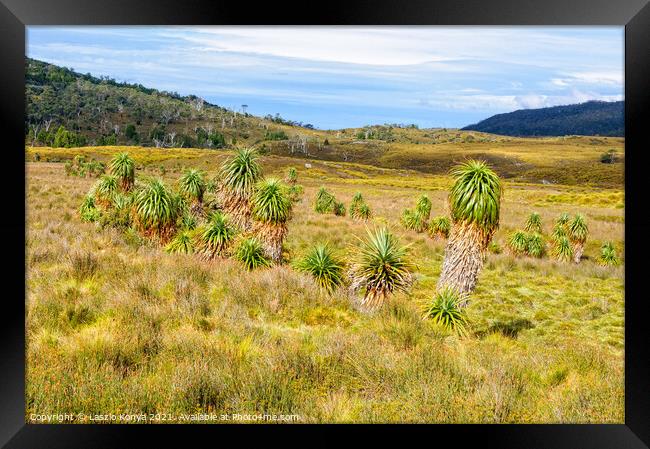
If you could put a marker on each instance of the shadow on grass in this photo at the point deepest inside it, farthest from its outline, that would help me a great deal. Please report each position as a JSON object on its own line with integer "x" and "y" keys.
{"x": 508, "y": 329}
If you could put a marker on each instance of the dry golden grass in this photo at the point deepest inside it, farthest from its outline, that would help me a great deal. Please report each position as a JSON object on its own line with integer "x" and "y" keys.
{"x": 115, "y": 325}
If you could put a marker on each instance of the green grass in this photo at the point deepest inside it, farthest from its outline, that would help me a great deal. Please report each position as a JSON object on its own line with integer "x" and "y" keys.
{"x": 132, "y": 329}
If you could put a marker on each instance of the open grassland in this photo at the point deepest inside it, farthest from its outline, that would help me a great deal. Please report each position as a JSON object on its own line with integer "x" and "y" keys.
{"x": 116, "y": 325}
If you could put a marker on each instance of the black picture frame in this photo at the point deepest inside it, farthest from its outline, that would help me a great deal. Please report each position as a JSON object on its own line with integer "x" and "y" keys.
{"x": 633, "y": 14}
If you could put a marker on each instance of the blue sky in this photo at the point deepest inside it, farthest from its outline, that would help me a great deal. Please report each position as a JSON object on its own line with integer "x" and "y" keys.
{"x": 336, "y": 77}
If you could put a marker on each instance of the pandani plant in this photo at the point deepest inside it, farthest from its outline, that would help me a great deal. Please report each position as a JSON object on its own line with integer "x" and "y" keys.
{"x": 447, "y": 310}
{"x": 534, "y": 223}
{"x": 156, "y": 210}
{"x": 439, "y": 227}
{"x": 239, "y": 175}
{"x": 182, "y": 243}
{"x": 250, "y": 253}
{"x": 324, "y": 201}
{"x": 215, "y": 238}
{"x": 271, "y": 212}
{"x": 474, "y": 203}
{"x": 608, "y": 254}
{"x": 104, "y": 190}
{"x": 578, "y": 233}
{"x": 323, "y": 265}
{"x": 379, "y": 267}
{"x": 562, "y": 249}
{"x": 192, "y": 184}
{"x": 123, "y": 167}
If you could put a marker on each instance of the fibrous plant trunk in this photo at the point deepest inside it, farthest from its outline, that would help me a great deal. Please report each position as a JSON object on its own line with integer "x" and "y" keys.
{"x": 271, "y": 236}
{"x": 238, "y": 208}
{"x": 464, "y": 257}
{"x": 578, "y": 250}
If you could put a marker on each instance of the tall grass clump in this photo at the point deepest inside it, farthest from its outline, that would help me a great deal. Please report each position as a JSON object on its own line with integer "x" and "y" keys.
{"x": 123, "y": 167}
{"x": 215, "y": 238}
{"x": 475, "y": 203}
{"x": 271, "y": 212}
{"x": 447, "y": 310}
{"x": 239, "y": 175}
{"x": 379, "y": 268}
{"x": 323, "y": 265}
{"x": 250, "y": 253}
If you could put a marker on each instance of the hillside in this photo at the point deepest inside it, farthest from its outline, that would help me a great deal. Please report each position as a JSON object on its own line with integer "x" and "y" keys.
{"x": 68, "y": 109}
{"x": 593, "y": 118}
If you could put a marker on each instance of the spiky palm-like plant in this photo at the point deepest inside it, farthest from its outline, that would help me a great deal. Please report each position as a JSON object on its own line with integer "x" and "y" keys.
{"x": 608, "y": 254}
{"x": 578, "y": 233}
{"x": 357, "y": 201}
{"x": 324, "y": 201}
{"x": 193, "y": 185}
{"x": 321, "y": 263}
{"x": 423, "y": 207}
{"x": 271, "y": 212}
{"x": 295, "y": 192}
{"x": 215, "y": 238}
{"x": 364, "y": 212}
{"x": 188, "y": 222}
{"x": 534, "y": 223}
{"x": 475, "y": 203}
{"x": 182, "y": 243}
{"x": 123, "y": 167}
{"x": 87, "y": 210}
{"x": 563, "y": 219}
{"x": 156, "y": 209}
{"x": 562, "y": 249}
{"x": 339, "y": 209}
{"x": 105, "y": 189}
{"x": 239, "y": 175}
{"x": 447, "y": 310}
{"x": 535, "y": 245}
{"x": 559, "y": 231}
{"x": 439, "y": 227}
{"x": 413, "y": 220}
{"x": 379, "y": 267}
{"x": 119, "y": 214}
{"x": 518, "y": 242}
{"x": 251, "y": 254}
{"x": 292, "y": 176}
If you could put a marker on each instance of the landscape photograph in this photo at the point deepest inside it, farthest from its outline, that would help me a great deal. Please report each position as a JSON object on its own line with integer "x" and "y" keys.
{"x": 324, "y": 224}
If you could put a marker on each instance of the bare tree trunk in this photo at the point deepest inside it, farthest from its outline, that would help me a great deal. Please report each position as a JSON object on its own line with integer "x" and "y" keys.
{"x": 464, "y": 257}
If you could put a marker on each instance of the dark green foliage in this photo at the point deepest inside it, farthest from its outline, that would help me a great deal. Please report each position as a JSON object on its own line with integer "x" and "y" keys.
{"x": 585, "y": 119}
{"x": 275, "y": 135}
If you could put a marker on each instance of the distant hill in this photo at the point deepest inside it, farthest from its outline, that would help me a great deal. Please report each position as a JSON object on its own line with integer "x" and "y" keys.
{"x": 593, "y": 118}
{"x": 66, "y": 108}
